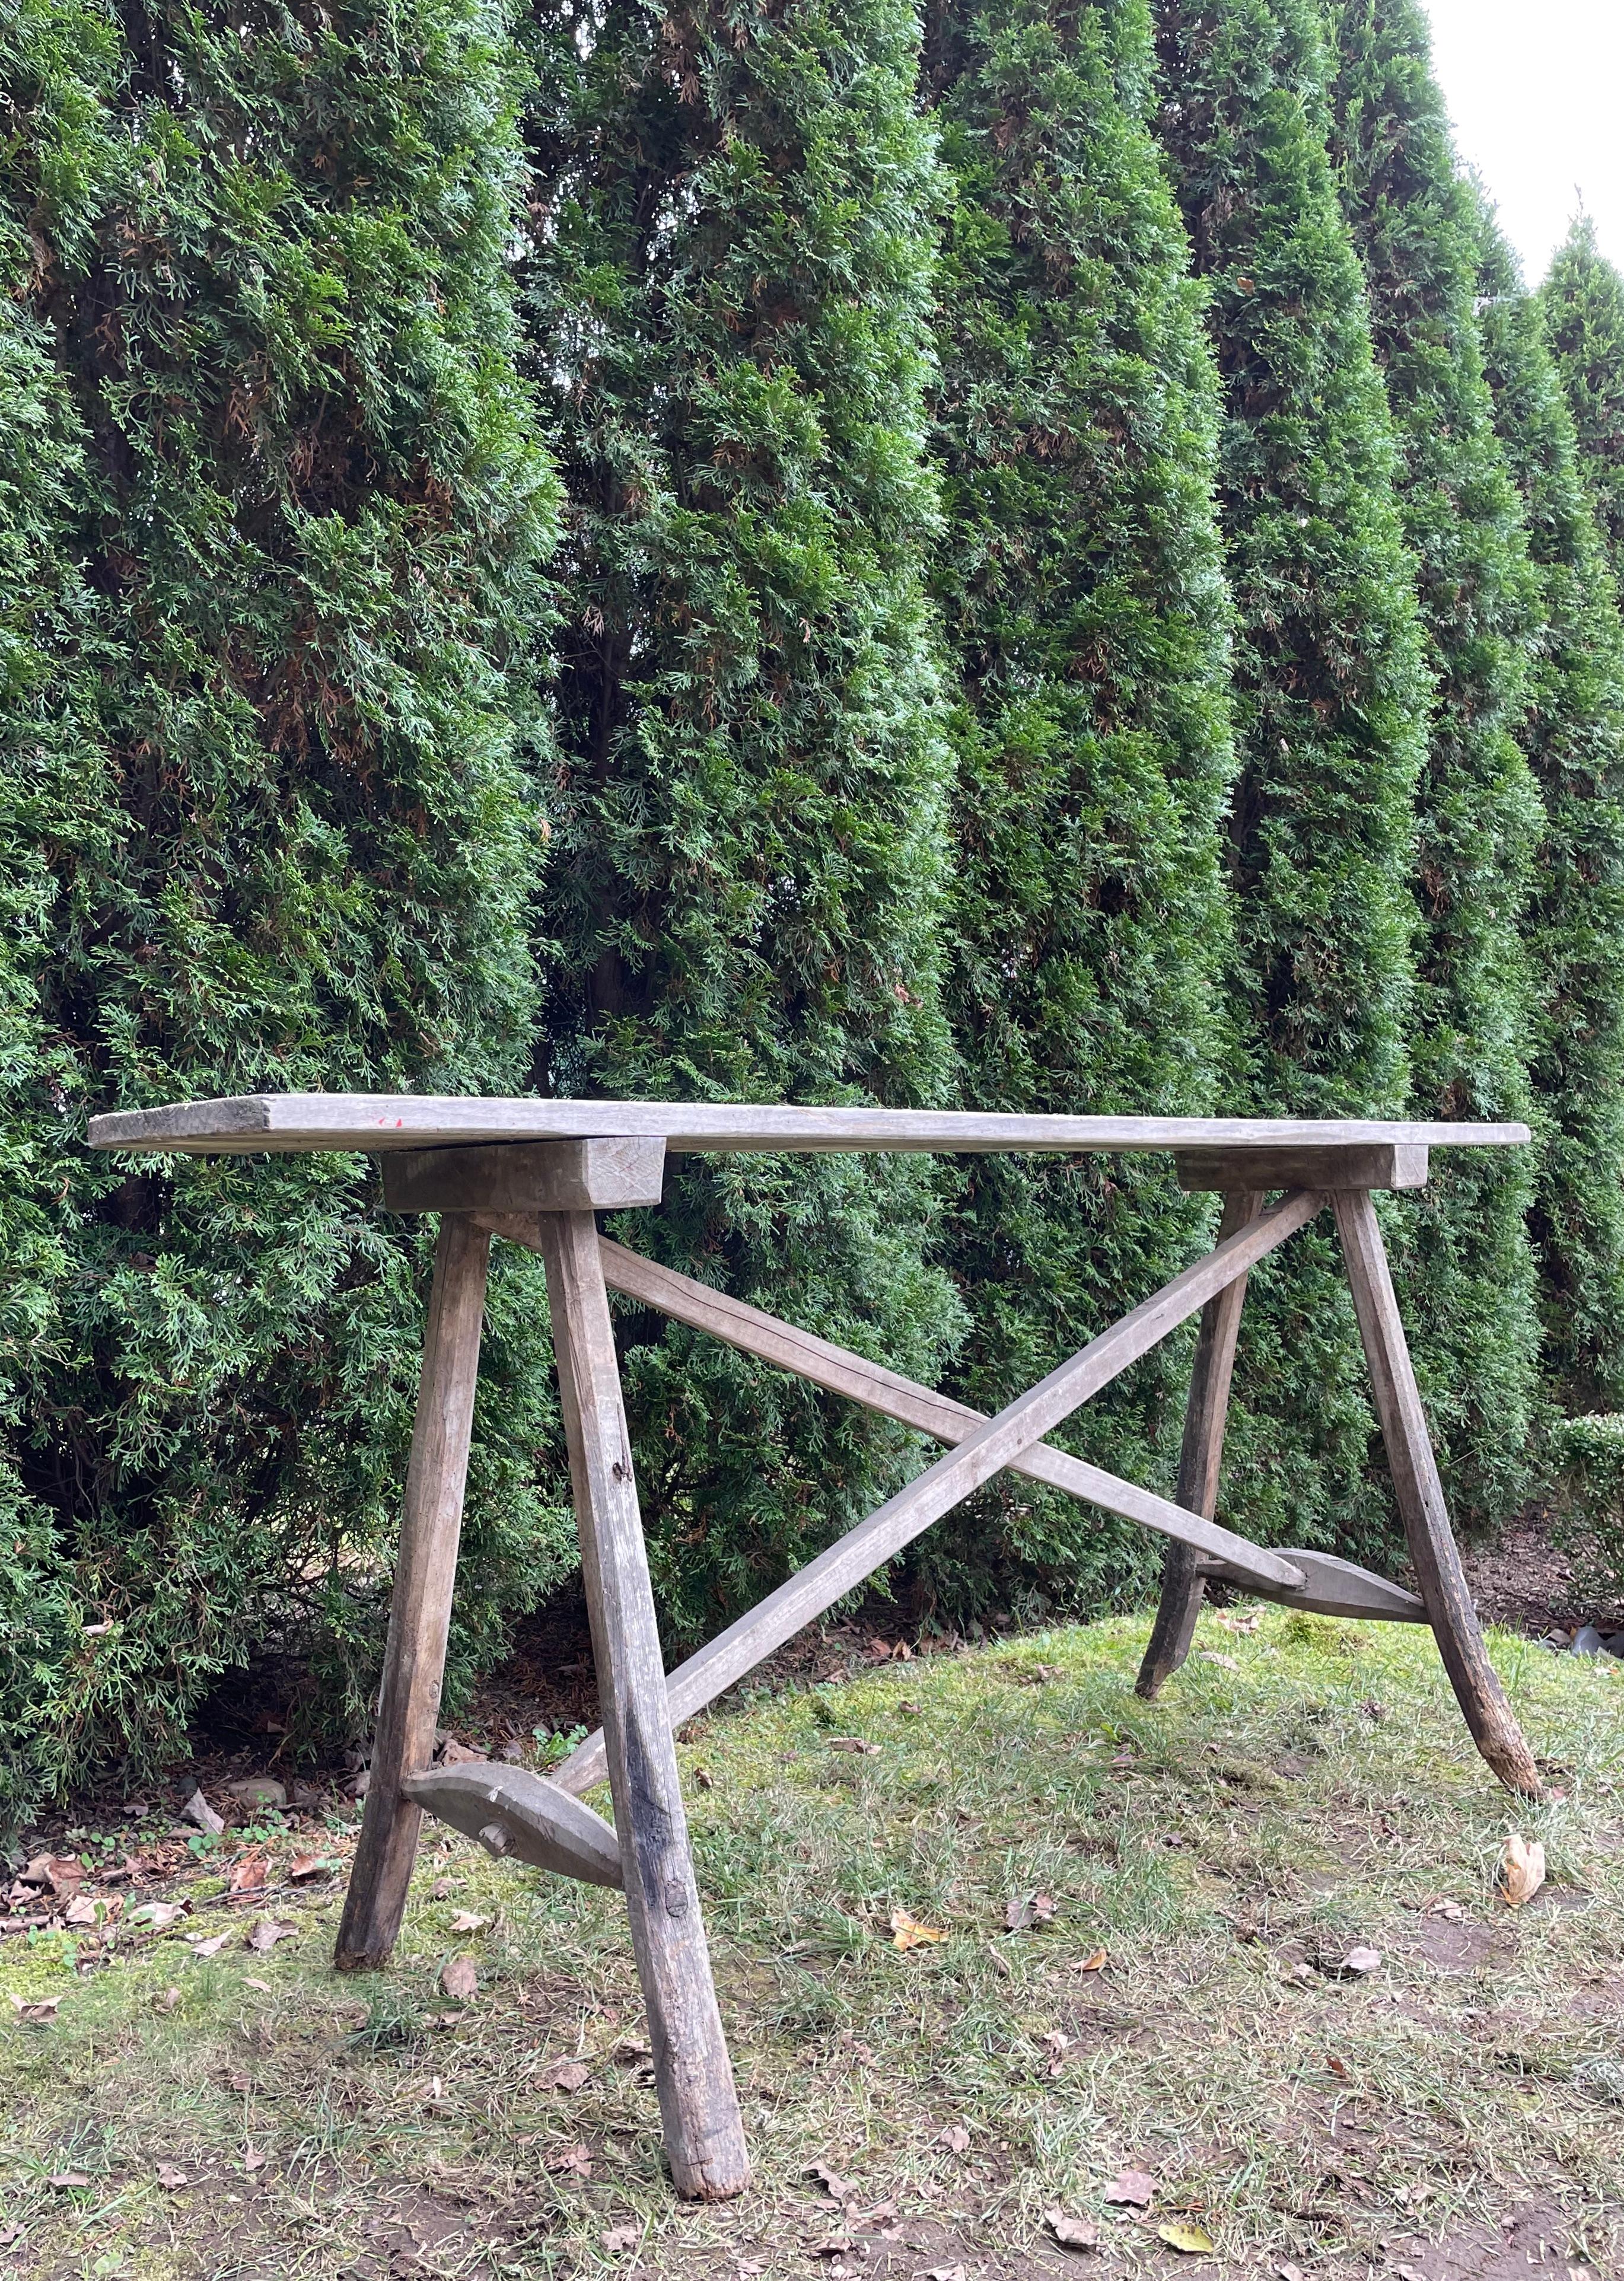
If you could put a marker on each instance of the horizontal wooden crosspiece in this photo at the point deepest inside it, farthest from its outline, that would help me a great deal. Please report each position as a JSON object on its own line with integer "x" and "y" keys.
{"x": 519, "y": 1815}
{"x": 602, "y": 1175}
{"x": 1369, "y": 1164}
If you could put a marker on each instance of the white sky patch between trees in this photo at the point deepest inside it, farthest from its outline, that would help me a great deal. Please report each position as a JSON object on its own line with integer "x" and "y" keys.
{"x": 1536, "y": 88}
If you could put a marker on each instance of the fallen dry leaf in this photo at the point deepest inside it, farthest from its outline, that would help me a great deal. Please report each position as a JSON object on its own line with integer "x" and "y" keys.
{"x": 836, "y": 2186}
{"x": 564, "y": 2074}
{"x": 249, "y": 1875}
{"x": 81, "y": 1910}
{"x": 955, "y": 2139}
{"x": 457, "y": 1754}
{"x": 459, "y": 1978}
{"x": 836, "y": 2246}
{"x": 1361, "y": 1962}
{"x": 1135, "y": 2187}
{"x": 1439, "y": 1906}
{"x": 1095, "y": 1961}
{"x": 1290, "y": 2272}
{"x": 907, "y": 1932}
{"x": 575, "y": 2161}
{"x": 197, "y": 1809}
{"x": 1034, "y": 1909}
{"x": 252, "y": 2160}
{"x": 201, "y": 1947}
{"x": 1232, "y": 1623}
{"x": 1522, "y": 1870}
{"x": 267, "y": 1933}
{"x": 1338, "y": 2068}
{"x": 948, "y": 2273}
{"x": 39, "y": 2013}
{"x": 68, "y": 2178}
{"x": 159, "y": 1914}
{"x": 166, "y": 2000}
{"x": 308, "y": 1864}
{"x": 264, "y": 1986}
{"x": 465, "y": 1921}
{"x": 1072, "y": 2232}
{"x": 1191, "y": 2241}
{"x": 65, "y": 1874}
{"x": 856, "y": 1742}
{"x": 1212, "y": 1655}
{"x": 621, "y": 2236}
{"x": 169, "y": 2176}
{"x": 1056, "y": 2043}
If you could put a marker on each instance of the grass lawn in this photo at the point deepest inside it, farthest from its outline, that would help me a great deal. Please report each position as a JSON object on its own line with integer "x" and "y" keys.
{"x": 1303, "y": 1790}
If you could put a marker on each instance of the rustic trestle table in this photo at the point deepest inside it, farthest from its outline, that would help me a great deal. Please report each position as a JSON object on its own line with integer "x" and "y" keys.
{"x": 535, "y": 1171}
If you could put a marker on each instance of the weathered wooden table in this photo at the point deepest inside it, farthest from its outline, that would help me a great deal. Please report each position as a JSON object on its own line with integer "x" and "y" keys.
{"x": 535, "y": 1172}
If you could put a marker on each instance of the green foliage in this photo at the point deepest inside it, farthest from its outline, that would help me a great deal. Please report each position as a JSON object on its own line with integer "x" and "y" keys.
{"x": 1589, "y": 1455}
{"x": 1084, "y": 605}
{"x": 1583, "y": 302}
{"x": 1331, "y": 697}
{"x": 1464, "y": 1260}
{"x": 728, "y": 289}
{"x": 1574, "y": 734}
{"x": 273, "y": 524}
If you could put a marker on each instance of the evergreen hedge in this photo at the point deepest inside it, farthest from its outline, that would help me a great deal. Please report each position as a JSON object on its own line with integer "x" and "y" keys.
{"x": 1465, "y": 1261}
{"x": 274, "y": 517}
{"x": 1331, "y": 694}
{"x": 1573, "y": 732}
{"x": 1085, "y": 612}
{"x": 728, "y": 294}
{"x": 1583, "y": 302}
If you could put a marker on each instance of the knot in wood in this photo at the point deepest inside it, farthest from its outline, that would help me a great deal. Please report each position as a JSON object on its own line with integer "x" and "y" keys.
{"x": 675, "y": 1898}
{"x": 495, "y": 1839}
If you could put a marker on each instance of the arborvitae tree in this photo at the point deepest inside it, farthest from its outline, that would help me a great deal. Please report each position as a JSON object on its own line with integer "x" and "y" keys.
{"x": 1331, "y": 695}
{"x": 1573, "y": 735}
{"x": 1583, "y": 302}
{"x": 1085, "y": 610}
{"x": 727, "y": 292}
{"x": 1467, "y": 1266}
{"x": 274, "y": 519}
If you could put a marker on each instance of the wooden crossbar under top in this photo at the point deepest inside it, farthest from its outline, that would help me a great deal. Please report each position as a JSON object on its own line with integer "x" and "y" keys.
{"x": 275, "y": 1123}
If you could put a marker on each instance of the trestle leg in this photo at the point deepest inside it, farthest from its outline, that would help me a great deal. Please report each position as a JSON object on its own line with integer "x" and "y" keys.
{"x": 704, "y": 2135}
{"x": 1199, "y": 1462}
{"x": 1419, "y": 1494}
{"x": 419, "y": 1611}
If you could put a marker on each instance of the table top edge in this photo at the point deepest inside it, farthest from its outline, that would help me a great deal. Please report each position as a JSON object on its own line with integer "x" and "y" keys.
{"x": 277, "y": 1123}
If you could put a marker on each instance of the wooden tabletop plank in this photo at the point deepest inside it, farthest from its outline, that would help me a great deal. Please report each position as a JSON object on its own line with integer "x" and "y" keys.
{"x": 282, "y": 1123}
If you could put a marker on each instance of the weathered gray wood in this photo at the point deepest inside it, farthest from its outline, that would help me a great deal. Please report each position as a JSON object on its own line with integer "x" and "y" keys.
{"x": 704, "y": 2135}
{"x": 280, "y": 1121}
{"x": 514, "y": 1176}
{"x": 1200, "y": 1458}
{"x": 1421, "y": 1506}
{"x": 538, "y": 1822}
{"x": 983, "y": 1451}
{"x": 1373, "y": 1164}
{"x": 844, "y": 1373}
{"x": 419, "y": 1611}
{"x": 1335, "y": 1587}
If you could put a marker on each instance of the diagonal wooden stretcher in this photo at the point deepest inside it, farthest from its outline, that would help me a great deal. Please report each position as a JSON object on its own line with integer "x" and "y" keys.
{"x": 535, "y": 1172}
